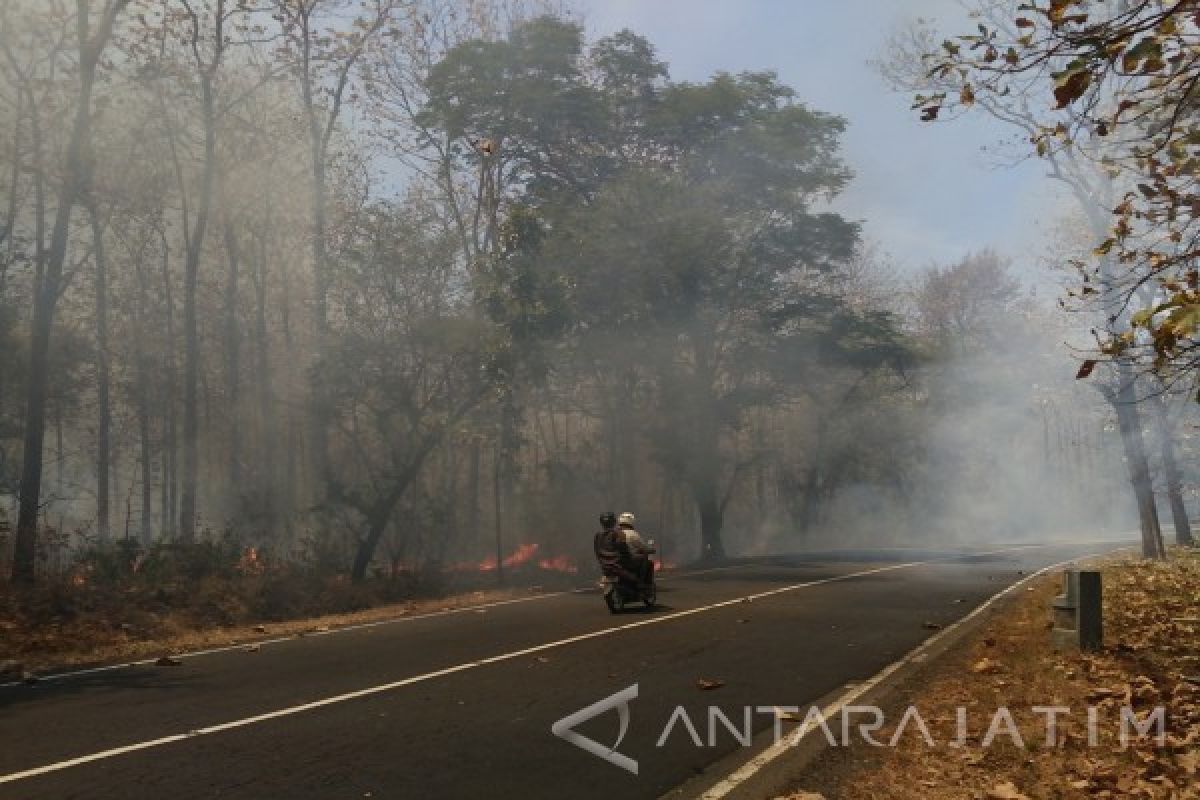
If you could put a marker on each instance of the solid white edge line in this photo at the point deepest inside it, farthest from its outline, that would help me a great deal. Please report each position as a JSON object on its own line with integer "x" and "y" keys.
{"x": 373, "y": 690}
{"x": 754, "y": 765}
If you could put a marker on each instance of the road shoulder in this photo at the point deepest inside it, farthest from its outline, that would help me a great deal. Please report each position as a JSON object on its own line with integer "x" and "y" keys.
{"x": 1005, "y": 660}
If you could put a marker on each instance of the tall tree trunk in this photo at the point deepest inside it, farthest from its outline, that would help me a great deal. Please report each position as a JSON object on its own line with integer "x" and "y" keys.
{"x": 60, "y": 450}
{"x": 232, "y": 365}
{"x": 1179, "y": 515}
{"x": 704, "y": 482}
{"x": 10, "y": 216}
{"x": 498, "y": 508}
{"x": 318, "y": 139}
{"x": 1130, "y": 424}
{"x": 379, "y": 515}
{"x": 628, "y": 437}
{"x": 267, "y": 427}
{"x": 1124, "y": 399}
{"x": 103, "y": 380}
{"x": 145, "y": 533}
{"x": 75, "y": 180}
{"x": 170, "y": 443}
{"x": 474, "y": 470}
{"x": 1171, "y": 476}
{"x": 142, "y": 379}
{"x": 712, "y": 520}
{"x": 322, "y": 108}
{"x": 292, "y": 424}
{"x": 191, "y": 368}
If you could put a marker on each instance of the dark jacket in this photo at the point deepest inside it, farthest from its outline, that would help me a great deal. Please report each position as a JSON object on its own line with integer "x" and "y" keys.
{"x": 611, "y": 551}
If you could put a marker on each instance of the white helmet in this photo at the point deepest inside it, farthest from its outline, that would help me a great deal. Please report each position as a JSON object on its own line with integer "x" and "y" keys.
{"x": 626, "y": 518}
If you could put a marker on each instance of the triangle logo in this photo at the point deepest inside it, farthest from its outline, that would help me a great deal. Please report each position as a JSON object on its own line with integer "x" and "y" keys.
{"x": 564, "y": 728}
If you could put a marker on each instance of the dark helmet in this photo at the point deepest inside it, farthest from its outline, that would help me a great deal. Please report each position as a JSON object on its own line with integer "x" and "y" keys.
{"x": 608, "y": 519}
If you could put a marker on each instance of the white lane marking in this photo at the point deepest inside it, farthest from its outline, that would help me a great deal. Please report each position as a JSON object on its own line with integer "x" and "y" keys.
{"x": 387, "y": 687}
{"x": 56, "y": 676}
{"x": 341, "y": 698}
{"x": 145, "y": 662}
{"x": 754, "y": 765}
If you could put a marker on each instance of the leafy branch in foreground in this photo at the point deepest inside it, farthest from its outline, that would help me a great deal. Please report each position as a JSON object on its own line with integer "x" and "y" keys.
{"x": 1120, "y": 85}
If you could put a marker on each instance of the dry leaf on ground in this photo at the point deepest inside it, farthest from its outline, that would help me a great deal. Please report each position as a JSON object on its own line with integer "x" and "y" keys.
{"x": 1006, "y": 791}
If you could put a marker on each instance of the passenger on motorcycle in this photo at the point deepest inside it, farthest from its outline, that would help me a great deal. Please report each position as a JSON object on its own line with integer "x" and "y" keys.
{"x": 612, "y": 551}
{"x": 638, "y": 549}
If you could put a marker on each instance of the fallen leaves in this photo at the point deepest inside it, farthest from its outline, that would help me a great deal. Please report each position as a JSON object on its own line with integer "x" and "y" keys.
{"x": 986, "y": 666}
{"x": 1006, "y": 791}
{"x": 1152, "y": 659}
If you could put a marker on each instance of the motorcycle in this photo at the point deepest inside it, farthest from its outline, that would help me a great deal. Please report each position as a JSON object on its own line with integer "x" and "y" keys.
{"x": 620, "y": 590}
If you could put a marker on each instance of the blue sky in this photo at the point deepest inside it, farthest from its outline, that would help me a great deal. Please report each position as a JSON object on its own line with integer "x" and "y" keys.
{"x": 927, "y": 193}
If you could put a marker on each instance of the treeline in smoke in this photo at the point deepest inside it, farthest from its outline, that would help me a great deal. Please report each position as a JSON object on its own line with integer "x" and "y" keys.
{"x": 389, "y": 285}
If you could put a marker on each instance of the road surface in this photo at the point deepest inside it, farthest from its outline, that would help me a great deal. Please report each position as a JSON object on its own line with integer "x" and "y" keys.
{"x": 460, "y": 705}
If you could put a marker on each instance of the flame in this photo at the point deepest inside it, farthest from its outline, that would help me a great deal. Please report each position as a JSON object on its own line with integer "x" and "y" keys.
{"x": 249, "y": 563}
{"x": 518, "y": 557}
{"x": 559, "y": 564}
{"x": 524, "y": 554}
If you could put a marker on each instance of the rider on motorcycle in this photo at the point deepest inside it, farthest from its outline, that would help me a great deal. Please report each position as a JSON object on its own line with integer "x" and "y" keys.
{"x": 612, "y": 551}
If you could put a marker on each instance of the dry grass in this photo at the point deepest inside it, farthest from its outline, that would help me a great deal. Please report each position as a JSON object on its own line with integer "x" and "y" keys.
{"x": 116, "y": 633}
{"x": 1151, "y": 658}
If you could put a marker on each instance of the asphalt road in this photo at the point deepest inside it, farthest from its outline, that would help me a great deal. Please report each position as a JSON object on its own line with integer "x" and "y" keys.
{"x": 460, "y": 705}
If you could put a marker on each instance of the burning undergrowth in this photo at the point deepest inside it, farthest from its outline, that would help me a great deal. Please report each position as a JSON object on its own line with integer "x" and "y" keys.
{"x": 525, "y": 556}
{"x": 119, "y": 596}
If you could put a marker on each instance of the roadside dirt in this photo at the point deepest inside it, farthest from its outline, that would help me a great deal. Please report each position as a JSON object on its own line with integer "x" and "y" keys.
{"x": 92, "y": 641}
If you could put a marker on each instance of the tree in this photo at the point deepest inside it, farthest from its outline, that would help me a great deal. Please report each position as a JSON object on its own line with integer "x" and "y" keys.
{"x": 701, "y": 279}
{"x": 487, "y": 153}
{"x": 973, "y": 71}
{"x": 577, "y": 139}
{"x": 324, "y": 55}
{"x": 408, "y": 362}
{"x": 90, "y": 42}
{"x": 208, "y": 37}
{"x": 1116, "y": 82}
{"x": 961, "y": 304}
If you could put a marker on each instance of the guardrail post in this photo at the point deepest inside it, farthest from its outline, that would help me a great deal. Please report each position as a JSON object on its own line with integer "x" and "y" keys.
{"x": 1078, "y": 612}
{"x": 1090, "y": 614}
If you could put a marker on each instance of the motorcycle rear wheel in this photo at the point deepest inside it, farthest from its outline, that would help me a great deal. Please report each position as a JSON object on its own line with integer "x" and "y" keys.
{"x": 614, "y": 600}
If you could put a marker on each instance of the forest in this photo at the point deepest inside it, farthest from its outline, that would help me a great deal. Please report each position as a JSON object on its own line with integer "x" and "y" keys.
{"x": 382, "y": 291}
